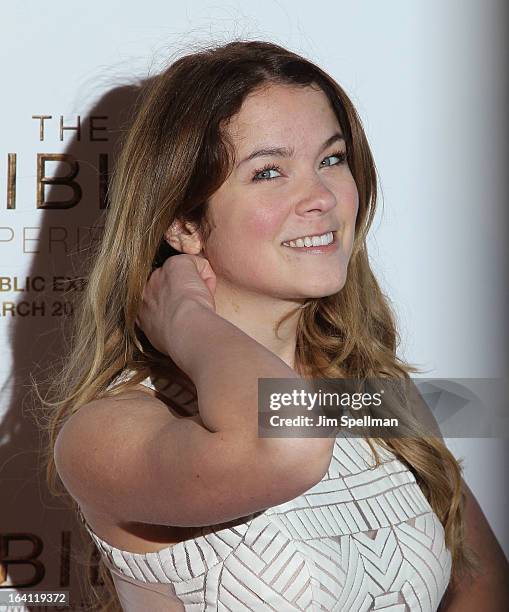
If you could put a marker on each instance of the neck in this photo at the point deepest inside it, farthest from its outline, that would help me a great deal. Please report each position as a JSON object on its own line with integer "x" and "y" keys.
{"x": 257, "y": 315}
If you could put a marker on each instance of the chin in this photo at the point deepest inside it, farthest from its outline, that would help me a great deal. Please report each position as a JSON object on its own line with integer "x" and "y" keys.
{"x": 322, "y": 294}
{"x": 324, "y": 290}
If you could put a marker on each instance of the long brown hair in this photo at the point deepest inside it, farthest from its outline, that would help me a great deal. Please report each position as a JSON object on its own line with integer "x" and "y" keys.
{"x": 175, "y": 155}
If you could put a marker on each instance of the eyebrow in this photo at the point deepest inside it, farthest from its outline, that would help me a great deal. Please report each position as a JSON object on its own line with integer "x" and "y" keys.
{"x": 288, "y": 152}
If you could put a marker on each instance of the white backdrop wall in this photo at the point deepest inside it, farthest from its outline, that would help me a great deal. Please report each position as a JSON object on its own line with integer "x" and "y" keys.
{"x": 428, "y": 81}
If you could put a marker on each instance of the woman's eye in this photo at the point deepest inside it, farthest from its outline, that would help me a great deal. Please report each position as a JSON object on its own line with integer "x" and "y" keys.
{"x": 341, "y": 155}
{"x": 258, "y": 174}
{"x": 265, "y": 170}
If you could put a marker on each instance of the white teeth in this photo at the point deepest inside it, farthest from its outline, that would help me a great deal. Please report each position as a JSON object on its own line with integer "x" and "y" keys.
{"x": 308, "y": 241}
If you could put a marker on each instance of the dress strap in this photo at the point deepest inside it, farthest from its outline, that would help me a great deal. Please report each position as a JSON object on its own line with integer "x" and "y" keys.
{"x": 81, "y": 517}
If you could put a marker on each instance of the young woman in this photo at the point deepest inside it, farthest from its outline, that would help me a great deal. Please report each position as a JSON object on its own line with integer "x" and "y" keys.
{"x": 235, "y": 249}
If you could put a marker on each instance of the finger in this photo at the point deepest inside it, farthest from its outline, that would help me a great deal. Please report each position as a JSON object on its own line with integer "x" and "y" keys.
{"x": 204, "y": 267}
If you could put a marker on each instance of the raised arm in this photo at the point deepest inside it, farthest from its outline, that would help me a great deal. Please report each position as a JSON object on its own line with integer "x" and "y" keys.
{"x": 129, "y": 459}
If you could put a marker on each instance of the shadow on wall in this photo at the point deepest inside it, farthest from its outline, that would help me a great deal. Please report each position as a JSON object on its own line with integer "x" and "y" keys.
{"x": 37, "y": 530}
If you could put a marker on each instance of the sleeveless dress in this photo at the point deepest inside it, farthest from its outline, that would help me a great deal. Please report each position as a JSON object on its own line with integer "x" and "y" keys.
{"x": 361, "y": 539}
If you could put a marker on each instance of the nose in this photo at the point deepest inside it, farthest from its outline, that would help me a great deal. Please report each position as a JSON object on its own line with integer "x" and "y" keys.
{"x": 315, "y": 199}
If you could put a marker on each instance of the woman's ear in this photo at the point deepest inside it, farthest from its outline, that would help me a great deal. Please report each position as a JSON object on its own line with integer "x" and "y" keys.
{"x": 184, "y": 237}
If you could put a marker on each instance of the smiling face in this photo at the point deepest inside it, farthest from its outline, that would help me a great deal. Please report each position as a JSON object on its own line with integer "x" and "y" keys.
{"x": 273, "y": 198}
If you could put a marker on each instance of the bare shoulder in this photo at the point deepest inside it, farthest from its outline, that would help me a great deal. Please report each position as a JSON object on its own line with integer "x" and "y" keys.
{"x": 112, "y": 416}
{"x": 139, "y": 399}
{"x": 130, "y": 459}
{"x": 92, "y": 446}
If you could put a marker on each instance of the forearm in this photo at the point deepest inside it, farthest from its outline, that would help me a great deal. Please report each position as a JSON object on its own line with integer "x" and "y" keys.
{"x": 225, "y": 364}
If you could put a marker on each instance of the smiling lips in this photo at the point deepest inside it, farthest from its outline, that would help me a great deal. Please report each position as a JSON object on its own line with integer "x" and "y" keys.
{"x": 311, "y": 241}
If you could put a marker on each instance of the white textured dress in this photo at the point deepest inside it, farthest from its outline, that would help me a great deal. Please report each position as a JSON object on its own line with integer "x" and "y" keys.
{"x": 361, "y": 539}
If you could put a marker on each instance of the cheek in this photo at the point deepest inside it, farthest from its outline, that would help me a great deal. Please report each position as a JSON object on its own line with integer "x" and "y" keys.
{"x": 246, "y": 257}
{"x": 238, "y": 239}
{"x": 350, "y": 200}
{"x": 264, "y": 222}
